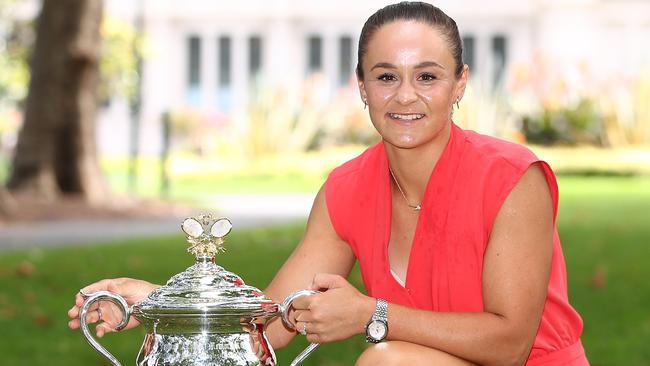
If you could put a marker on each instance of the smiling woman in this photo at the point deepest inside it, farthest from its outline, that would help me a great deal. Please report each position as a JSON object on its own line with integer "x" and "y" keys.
{"x": 454, "y": 231}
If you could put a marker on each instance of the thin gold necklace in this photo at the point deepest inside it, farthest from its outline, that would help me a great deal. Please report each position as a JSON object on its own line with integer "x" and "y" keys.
{"x": 416, "y": 207}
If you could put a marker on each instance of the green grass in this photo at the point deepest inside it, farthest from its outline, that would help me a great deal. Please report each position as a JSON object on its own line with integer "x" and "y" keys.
{"x": 33, "y": 304}
{"x": 603, "y": 223}
{"x": 605, "y": 228}
{"x": 192, "y": 178}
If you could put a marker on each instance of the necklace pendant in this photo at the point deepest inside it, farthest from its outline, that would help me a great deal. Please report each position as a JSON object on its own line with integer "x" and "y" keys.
{"x": 416, "y": 207}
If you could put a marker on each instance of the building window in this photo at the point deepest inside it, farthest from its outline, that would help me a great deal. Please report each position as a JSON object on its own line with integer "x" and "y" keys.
{"x": 469, "y": 52}
{"x": 499, "y": 58}
{"x": 345, "y": 60}
{"x": 224, "y": 74}
{"x": 225, "y": 64}
{"x": 193, "y": 70}
{"x": 315, "y": 56}
{"x": 254, "y": 55}
{"x": 194, "y": 58}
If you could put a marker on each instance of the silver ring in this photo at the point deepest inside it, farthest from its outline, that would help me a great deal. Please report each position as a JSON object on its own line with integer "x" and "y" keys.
{"x": 99, "y": 311}
{"x": 303, "y": 331}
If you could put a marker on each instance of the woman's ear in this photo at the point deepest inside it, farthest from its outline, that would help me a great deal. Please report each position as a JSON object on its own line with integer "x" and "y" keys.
{"x": 461, "y": 84}
{"x": 362, "y": 90}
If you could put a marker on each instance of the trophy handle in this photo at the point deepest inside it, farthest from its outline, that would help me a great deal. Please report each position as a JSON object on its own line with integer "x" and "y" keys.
{"x": 284, "y": 310}
{"x": 90, "y": 299}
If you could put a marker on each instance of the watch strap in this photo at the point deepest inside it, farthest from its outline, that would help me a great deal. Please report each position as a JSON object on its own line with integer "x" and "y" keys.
{"x": 381, "y": 310}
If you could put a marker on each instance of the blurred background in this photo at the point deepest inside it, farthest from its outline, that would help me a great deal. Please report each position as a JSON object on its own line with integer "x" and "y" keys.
{"x": 118, "y": 118}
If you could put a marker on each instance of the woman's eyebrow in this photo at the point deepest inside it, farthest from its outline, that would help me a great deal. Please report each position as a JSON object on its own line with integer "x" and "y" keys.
{"x": 424, "y": 64}
{"x": 421, "y": 65}
{"x": 384, "y": 65}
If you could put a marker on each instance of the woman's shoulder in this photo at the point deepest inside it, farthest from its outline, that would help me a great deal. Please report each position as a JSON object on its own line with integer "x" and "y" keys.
{"x": 347, "y": 185}
{"x": 354, "y": 166}
{"x": 489, "y": 150}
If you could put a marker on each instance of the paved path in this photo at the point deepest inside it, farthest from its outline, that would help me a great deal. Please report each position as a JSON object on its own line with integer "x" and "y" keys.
{"x": 243, "y": 210}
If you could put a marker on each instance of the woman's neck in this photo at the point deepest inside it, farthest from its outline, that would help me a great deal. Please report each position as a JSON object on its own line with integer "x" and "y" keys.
{"x": 412, "y": 168}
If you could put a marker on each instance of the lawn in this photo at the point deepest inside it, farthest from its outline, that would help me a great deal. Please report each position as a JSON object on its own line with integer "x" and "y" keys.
{"x": 194, "y": 178}
{"x": 603, "y": 222}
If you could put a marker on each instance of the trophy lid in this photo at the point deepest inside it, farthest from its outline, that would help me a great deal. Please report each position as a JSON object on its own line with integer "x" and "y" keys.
{"x": 206, "y": 290}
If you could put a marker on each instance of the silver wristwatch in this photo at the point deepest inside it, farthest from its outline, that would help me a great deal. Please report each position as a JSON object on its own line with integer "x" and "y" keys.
{"x": 377, "y": 327}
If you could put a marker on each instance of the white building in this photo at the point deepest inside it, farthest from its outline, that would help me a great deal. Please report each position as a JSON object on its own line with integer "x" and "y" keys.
{"x": 206, "y": 53}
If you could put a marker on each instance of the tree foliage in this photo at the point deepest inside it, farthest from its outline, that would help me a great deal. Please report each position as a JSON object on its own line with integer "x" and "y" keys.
{"x": 122, "y": 45}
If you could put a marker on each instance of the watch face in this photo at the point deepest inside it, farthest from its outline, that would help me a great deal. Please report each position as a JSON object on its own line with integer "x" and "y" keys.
{"x": 377, "y": 330}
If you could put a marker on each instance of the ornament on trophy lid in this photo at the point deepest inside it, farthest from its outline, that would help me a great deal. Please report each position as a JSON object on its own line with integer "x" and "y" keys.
{"x": 206, "y": 234}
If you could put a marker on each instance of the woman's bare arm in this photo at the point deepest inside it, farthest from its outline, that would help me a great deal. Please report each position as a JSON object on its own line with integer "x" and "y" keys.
{"x": 320, "y": 251}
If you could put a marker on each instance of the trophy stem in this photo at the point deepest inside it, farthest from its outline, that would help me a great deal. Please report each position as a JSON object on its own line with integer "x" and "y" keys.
{"x": 205, "y": 259}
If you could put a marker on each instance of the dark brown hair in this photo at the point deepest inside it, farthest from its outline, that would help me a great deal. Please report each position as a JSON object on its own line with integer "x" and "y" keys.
{"x": 417, "y": 11}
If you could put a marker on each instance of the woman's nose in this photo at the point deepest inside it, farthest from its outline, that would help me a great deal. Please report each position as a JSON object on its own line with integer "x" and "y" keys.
{"x": 406, "y": 93}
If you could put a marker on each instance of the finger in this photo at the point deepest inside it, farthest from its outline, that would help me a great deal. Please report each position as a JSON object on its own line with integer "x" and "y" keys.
{"x": 313, "y": 338}
{"x": 302, "y": 302}
{"x": 74, "y": 324}
{"x": 73, "y": 312}
{"x": 133, "y": 322}
{"x": 102, "y": 329}
{"x": 94, "y": 287}
{"x": 326, "y": 281}
{"x": 101, "y": 285}
{"x": 78, "y": 300}
{"x": 92, "y": 317}
{"x": 302, "y": 328}
{"x": 298, "y": 315}
{"x": 306, "y": 317}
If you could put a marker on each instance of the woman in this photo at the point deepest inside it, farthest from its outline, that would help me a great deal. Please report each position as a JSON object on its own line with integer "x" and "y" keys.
{"x": 454, "y": 231}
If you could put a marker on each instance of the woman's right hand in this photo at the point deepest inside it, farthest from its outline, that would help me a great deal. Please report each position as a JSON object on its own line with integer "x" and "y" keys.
{"x": 132, "y": 290}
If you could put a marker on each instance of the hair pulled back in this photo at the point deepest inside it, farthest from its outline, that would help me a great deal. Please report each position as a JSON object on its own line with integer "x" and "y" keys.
{"x": 417, "y": 11}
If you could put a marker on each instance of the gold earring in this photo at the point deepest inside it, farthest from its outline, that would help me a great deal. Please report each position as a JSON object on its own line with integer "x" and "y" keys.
{"x": 365, "y": 103}
{"x": 457, "y": 101}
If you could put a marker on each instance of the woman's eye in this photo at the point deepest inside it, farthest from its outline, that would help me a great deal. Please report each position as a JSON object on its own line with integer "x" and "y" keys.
{"x": 386, "y": 77}
{"x": 427, "y": 77}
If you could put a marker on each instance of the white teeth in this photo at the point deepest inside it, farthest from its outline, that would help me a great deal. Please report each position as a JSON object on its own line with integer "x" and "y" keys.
{"x": 406, "y": 117}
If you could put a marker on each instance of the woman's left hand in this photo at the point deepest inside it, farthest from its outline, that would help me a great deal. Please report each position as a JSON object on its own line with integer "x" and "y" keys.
{"x": 337, "y": 313}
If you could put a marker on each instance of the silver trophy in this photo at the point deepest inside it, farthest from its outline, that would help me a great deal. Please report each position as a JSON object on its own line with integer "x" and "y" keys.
{"x": 204, "y": 315}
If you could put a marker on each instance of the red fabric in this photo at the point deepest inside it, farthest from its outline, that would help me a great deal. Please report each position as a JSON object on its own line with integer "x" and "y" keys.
{"x": 466, "y": 189}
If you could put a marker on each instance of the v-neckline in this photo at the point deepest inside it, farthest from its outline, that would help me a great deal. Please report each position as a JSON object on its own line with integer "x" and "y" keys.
{"x": 444, "y": 156}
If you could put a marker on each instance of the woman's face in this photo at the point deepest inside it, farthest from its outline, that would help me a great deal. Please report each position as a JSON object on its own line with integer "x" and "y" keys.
{"x": 410, "y": 83}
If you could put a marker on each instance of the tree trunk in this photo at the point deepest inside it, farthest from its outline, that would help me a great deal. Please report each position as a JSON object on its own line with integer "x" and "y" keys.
{"x": 56, "y": 151}
{"x": 7, "y": 204}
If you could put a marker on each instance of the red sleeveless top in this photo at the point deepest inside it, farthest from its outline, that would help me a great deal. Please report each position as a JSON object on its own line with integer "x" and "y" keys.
{"x": 467, "y": 187}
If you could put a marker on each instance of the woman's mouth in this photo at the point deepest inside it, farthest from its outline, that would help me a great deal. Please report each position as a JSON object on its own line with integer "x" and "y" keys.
{"x": 407, "y": 117}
